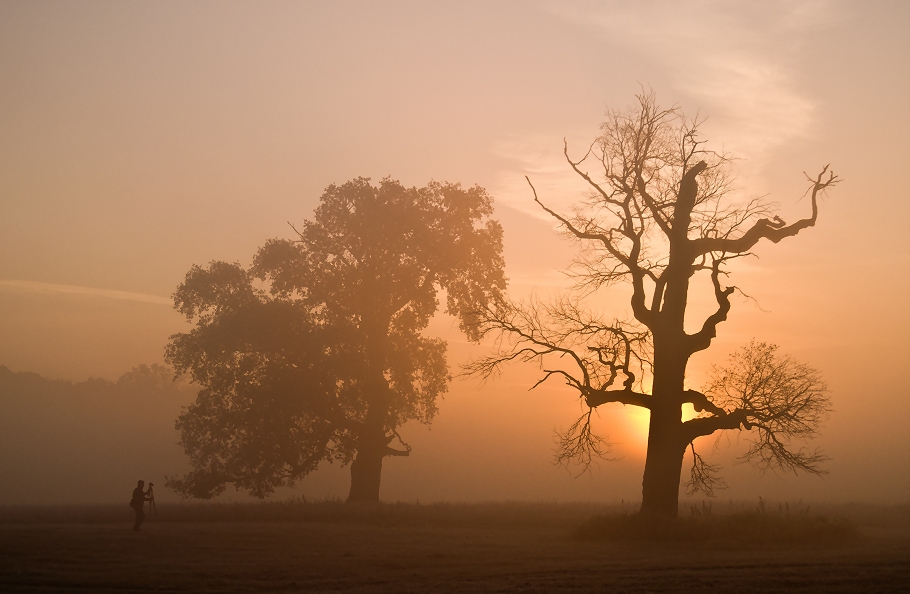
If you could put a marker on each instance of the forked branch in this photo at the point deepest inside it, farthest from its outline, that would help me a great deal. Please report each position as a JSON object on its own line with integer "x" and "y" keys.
{"x": 781, "y": 400}
{"x": 774, "y": 229}
{"x": 703, "y": 476}
{"x": 603, "y": 356}
{"x": 702, "y": 339}
{"x": 580, "y": 445}
{"x": 628, "y": 260}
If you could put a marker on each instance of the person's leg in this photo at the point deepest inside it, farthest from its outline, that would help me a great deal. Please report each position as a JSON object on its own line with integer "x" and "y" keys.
{"x": 140, "y": 515}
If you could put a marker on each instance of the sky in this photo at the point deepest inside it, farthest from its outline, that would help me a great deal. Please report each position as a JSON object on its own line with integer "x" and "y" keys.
{"x": 140, "y": 138}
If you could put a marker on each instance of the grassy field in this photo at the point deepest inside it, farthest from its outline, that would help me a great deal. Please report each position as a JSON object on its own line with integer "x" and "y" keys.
{"x": 546, "y": 547}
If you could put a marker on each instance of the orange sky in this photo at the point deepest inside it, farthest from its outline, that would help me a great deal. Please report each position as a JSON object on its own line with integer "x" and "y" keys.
{"x": 139, "y": 138}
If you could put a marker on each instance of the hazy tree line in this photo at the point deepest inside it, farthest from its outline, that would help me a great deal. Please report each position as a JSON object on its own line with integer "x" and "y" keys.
{"x": 315, "y": 352}
{"x": 84, "y": 441}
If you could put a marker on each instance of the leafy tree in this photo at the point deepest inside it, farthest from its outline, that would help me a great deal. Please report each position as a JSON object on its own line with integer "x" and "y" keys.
{"x": 660, "y": 216}
{"x": 316, "y": 353}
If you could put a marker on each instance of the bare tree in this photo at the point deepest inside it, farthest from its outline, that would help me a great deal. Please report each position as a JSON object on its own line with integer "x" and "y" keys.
{"x": 660, "y": 215}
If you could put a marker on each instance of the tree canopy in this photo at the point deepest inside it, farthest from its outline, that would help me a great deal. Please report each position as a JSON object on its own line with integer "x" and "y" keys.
{"x": 316, "y": 351}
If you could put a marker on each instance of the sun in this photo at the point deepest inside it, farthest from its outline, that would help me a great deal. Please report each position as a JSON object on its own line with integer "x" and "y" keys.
{"x": 638, "y": 421}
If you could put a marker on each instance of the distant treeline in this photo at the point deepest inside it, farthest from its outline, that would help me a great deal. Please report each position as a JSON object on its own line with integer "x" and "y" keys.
{"x": 94, "y": 438}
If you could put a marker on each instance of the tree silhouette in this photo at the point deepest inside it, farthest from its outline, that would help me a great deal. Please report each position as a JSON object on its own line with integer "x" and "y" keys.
{"x": 659, "y": 215}
{"x": 315, "y": 353}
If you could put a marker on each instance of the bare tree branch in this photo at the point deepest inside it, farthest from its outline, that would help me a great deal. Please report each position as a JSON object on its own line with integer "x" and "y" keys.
{"x": 703, "y": 476}
{"x": 702, "y": 339}
{"x": 772, "y": 229}
{"x": 580, "y": 445}
{"x": 778, "y": 398}
{"x": 601, "y": 356}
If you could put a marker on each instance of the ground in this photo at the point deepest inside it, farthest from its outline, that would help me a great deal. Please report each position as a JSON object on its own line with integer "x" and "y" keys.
{"x": 462, "y": 552}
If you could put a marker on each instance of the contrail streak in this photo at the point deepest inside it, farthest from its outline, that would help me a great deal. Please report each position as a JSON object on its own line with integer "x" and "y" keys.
{"x": 38, "y": 287}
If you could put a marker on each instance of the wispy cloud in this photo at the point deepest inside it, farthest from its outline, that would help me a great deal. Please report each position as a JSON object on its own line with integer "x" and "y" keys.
{"x": 51, "y": 288}
{"x": 731, "y": 61}
{"x": 540, "y": 158}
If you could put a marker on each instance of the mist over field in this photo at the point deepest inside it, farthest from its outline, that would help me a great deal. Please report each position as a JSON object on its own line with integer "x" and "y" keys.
{"x": 142, "y": 139}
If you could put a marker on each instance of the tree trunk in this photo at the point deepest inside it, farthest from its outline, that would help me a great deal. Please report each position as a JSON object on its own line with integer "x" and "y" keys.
{"x": 366, "y": 471}
{"x": 663, "y": 465}
{"x": 660, "y": 485}
{"x": 372, "y": 444}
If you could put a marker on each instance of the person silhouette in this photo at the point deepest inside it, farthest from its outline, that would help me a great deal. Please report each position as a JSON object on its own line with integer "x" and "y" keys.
{"x": 138, "y": 503}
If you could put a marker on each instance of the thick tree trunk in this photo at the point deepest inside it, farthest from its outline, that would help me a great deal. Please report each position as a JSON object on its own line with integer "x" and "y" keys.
{"x": 366, "y": 472}
{"x": 372, "y": 444}
{"x": 663, "y": 465}
{"x": 660, "y": 485}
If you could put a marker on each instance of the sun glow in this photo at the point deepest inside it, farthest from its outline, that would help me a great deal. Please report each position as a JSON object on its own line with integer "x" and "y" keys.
{"x": 637, "y": 422}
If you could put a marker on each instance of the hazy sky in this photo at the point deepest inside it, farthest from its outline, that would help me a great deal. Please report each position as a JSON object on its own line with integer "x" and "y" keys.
{"x": 139, "y": 138}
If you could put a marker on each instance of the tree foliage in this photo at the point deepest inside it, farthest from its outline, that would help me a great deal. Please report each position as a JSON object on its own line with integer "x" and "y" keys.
{"x": 315, "y": 352}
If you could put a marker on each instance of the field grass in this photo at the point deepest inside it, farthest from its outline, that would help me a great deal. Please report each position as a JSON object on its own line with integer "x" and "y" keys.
{"x": 492, "y": 547}
{"x": 336, "y": 511}
{"x": 755, "y": 526}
